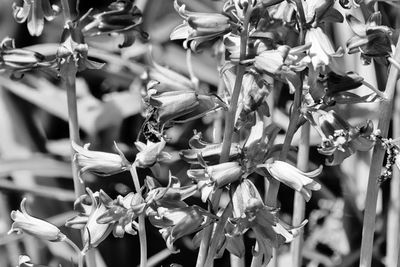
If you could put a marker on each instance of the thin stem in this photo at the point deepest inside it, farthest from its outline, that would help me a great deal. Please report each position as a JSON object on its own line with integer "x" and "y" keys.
{"x": 142, "y": 226}
{"x": 189, "y": 64}
{"x": 385, "y": 114}
{"x": 299, "y": 203}
{"x": 230, "y": 116}
{"x": 393, "y": 220}
{"x": 77, "y": 249}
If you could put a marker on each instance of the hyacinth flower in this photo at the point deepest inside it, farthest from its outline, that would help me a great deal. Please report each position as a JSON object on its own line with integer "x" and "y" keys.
{"x": 25, "y": 223}
{"x": 150, "y": 153}
{"x": 249, "y": 212}
{"x": 199, "y": 29}
{"x": 210, "y": 152}
{"x": 91, "y": 207}
{"x": 371, "y": 38}
{"x": 122, "y": 17}
{"x": 211, "y": 177}
{"x": 348, "y": 4}
{"x": 178, "y": 222}
{"x": 100, "y": 163}
{"x": 122, "y": 212}
{"x": 19, "y": 60}
{"x": 74, "y": 49}
{"x": 35, "y": 11}
{"x": 293, "y": 177}
{"x": 339, "y": 139}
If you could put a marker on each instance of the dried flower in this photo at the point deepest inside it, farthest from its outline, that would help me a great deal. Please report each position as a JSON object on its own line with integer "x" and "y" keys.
{"x": 150, "y": 153}
{"x": 293, "y": 177}
{"x": 121, "y": 17}
{"x": 198, "y": 28}
{"x": 91, "y": 207}
{"x": 24, "y": 223}
{"x": 35, "y": 11}
{"x": 100, "y": 163}
{"x": 371, "y": 38}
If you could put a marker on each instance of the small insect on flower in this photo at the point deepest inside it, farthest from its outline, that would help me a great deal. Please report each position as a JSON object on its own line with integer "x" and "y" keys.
{"x": 35, "y": 11}
{"x": 100, "y": 163}
{"x": 293, "y": 177}
{"x": 24, "y": 223}
{"x": 199, "y": 29}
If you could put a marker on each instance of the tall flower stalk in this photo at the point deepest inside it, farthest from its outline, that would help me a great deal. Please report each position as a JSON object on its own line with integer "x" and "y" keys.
{"x": 385, "y": 115}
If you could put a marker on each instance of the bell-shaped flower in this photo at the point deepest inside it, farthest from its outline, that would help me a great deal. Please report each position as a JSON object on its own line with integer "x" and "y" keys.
{"x": 25, "y": 223}
{"x": 150, "y": 153}
{"x": 91, "y": 207}
{"x": 293, "y": 177}
{"x": 210, "y": 152}
{"x": 348, "y": 4}
{"x": 199, "y": 29}
{"x": 249, "y": 212}
{"x": 317, "y": 11}
{"x": 73, "y": 49}
{"x": 219, "y": 175}
{"x": 321, "y": 51}
{"x": 178, "y": 222}
{"x": 339, "y": 139}
{"x": 121, "y": 17}
{"x": 35, "y": 11}
{"x": 371, "y": 38}
{"x": 100, "y": 163}
{"x": 21, "y": 60}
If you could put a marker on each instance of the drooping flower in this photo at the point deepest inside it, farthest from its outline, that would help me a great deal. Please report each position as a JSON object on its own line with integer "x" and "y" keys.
{"x": 339, "y": 139}
{"x": 25, "y": 223}
{"x": 91, "y": 207}
{"x": 210, "y": 152}
{"x": 122, "y": 17}
{"x": 348, "y": 4}
{"x": 371, "y": 38}
{"x": 35, "y": 11}
{"x": 199, "y": 28}
{"x": 293, "y": 177}
{"x": 21, "y": 60}
{"x": 249, "y": 212}
{"x": 100, "y": 163}
{"x": 150, "y": 153}
{"x": 178, "y": 222}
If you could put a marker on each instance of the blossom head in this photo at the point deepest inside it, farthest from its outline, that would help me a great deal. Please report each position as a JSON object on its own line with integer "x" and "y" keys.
{"x": 199, "y": 29}
{"x": 293, "y": 177}
{"x": 24, "y": 223}
{"x": 35, "y": 11}
{"x": 100, "y": 163}
{"x": 150, "y": 153}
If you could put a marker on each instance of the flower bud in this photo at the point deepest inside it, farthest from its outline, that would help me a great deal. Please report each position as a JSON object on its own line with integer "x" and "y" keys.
{"x": 150, "y": 153}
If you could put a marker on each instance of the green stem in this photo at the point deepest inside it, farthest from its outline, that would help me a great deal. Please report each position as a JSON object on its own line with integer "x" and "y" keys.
{"x": 142, "y": 226}
{"x": 385, "y": 115}
{"x": 299, "y": 203}
{"x": 76, "y": 248}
